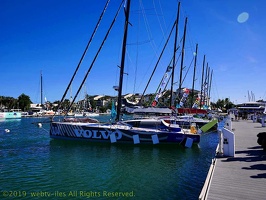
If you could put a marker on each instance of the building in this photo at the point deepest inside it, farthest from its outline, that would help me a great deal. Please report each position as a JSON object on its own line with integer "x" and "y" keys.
{"x": 251, "y": 107}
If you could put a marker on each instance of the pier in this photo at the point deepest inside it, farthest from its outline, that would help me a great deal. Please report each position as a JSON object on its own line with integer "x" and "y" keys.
{"x": 242, "y": 176}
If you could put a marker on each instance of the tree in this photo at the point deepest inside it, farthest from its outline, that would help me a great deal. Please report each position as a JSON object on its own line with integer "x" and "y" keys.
{"x": 92, "y": 103}
{"x": 24, "y": 102}
{"x": 223, "y": 104}
{"x": 66, "y": 104}
{"x": 8, "y": 102}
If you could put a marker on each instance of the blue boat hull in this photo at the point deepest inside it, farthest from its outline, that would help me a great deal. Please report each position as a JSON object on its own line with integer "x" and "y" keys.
{"x": 113, "y": 134}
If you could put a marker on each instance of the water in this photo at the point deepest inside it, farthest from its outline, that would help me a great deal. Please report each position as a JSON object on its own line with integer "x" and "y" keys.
{"x": 31, "y": 165}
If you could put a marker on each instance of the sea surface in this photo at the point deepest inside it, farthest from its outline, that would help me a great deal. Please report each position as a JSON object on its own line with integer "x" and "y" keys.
{"x": 33, "y": 166}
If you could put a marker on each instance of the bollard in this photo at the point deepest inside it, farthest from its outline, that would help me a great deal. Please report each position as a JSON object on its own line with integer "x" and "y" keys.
{"x": 228, "y": 123}
{"x": 228, "y": 143}
{"x": 220, "y": 147}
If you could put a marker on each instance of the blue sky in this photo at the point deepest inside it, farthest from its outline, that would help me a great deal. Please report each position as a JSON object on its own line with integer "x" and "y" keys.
{"x": 51, "y": 35}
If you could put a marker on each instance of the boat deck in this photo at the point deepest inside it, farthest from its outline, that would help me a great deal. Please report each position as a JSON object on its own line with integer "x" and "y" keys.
{"x": 242, "y": 176}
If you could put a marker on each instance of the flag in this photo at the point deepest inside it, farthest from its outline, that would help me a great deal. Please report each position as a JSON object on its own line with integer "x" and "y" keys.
{"x": 113, "y": 111}
{"x": 154, "y": 103}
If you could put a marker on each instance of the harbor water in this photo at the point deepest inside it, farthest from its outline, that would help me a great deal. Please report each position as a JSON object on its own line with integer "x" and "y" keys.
{"x": 33, "y": 166}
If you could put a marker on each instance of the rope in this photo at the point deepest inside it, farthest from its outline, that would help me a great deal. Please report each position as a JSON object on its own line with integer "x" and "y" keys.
{"x": 106, "y": 35}
{"x": 84, "y": 53}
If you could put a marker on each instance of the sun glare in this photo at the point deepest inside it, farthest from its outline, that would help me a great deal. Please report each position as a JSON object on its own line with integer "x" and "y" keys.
{"x": 243, "y": 17}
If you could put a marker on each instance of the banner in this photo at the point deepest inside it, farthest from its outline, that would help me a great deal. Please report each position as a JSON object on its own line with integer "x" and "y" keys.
{"x": 184, "y": 97}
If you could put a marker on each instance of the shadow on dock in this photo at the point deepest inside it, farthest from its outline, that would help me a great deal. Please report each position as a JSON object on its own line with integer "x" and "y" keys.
{"x": 252, "y": 154}
{"x": 257, "y": 167}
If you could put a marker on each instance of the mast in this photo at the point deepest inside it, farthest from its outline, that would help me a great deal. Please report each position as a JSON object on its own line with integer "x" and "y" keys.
{"x": 182, "y": 61}
{"x": 119, "y": 100}
{"x": 173, "y": 70}
{"x": 194, "y": 74}
{"x": 210, "y": 84}
{"x": 41, "y": 91}
{"x": 202, "y": 79}
{"x": 156, "y": 65}
{"x": 207, "y": 85}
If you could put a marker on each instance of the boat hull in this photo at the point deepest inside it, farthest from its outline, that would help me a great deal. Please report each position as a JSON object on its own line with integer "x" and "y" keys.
{"x": 94, "y": 132}
{"x": 10, "y": 115}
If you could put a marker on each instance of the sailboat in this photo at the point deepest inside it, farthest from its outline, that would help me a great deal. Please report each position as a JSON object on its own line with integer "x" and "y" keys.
{"x": 161, "y": 132}
{"x": 171, "y": 114}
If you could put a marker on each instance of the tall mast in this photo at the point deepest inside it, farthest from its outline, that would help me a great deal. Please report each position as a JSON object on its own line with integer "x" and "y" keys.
{"x": 205, "y": 87}
{"x": 202, "y": 80}
{"x": 119, "y": 100}
{"x": 182, "y": 61}
{"x": 173, "y": 70}
{"x": 210, "y": 84}
{"x": 194, "y": 74}
{"x": 41, "y": 90}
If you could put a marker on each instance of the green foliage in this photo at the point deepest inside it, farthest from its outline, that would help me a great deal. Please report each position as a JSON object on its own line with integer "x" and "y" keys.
{"x": 8, "y": 102}
{"x": 93, "y": 103}
{"x": 24, "y": 102}
{"x": 66, "y": 104}
{"x": 223, "y": 104}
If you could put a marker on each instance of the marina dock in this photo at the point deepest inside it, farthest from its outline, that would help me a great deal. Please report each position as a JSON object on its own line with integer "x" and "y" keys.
{"x": 242, "y": 176}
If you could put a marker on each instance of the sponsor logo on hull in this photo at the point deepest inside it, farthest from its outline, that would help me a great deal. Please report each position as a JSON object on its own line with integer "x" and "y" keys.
{"x": 80, "y": 133}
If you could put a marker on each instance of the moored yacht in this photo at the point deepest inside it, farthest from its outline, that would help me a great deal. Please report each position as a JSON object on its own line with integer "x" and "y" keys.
{"x": 122, "y": 131}
{"x": 10, "y": 115}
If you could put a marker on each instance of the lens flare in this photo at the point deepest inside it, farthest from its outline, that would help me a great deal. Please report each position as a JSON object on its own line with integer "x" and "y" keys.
{"x": 243, "y": 17}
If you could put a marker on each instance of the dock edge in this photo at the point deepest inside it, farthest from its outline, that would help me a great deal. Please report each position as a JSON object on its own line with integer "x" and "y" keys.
{"x": 205, "y": 189}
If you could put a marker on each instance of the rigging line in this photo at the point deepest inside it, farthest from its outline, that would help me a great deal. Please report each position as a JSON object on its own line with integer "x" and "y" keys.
{"x": 264, "y": 95}
{"x": 150, "y": 39}
{"x": 129, "y": 60}
{"x": 187, "y": 71}
{"x": 156, "y": 13}
{"x": 148, "y": 29}
{"x": 171, "y": 74}
{"x": 160, "y": 5}
{"x": 106, "y": 35}
{"x": 139, "y": 43}
{"x": 167, "y": 71}
{"x": 215, "y": 84}
{"x": 158, "y": 60}
{"x": 137, "y": 56}
{"x": 159, "y": 86}
{"x": 163, "y": 18}
{"x": 84, "y": 53}
{"x": 190, "y": 39}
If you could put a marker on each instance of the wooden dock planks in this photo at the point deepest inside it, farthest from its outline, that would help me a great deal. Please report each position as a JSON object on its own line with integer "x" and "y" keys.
{"x": 242, "y": 176}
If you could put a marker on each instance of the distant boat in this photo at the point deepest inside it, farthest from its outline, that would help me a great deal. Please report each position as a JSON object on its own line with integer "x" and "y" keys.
{"x": 86, "y": 114}
{"x": 48, "y": 112}
{"x": 159, "y": 116}
{"x": 24, "y": 114}
{"x": 91, "y": 114}
{"x": 10, "y": 115}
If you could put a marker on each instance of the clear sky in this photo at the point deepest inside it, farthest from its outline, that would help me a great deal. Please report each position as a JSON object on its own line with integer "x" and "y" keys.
{"x": 51, "y": 35}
